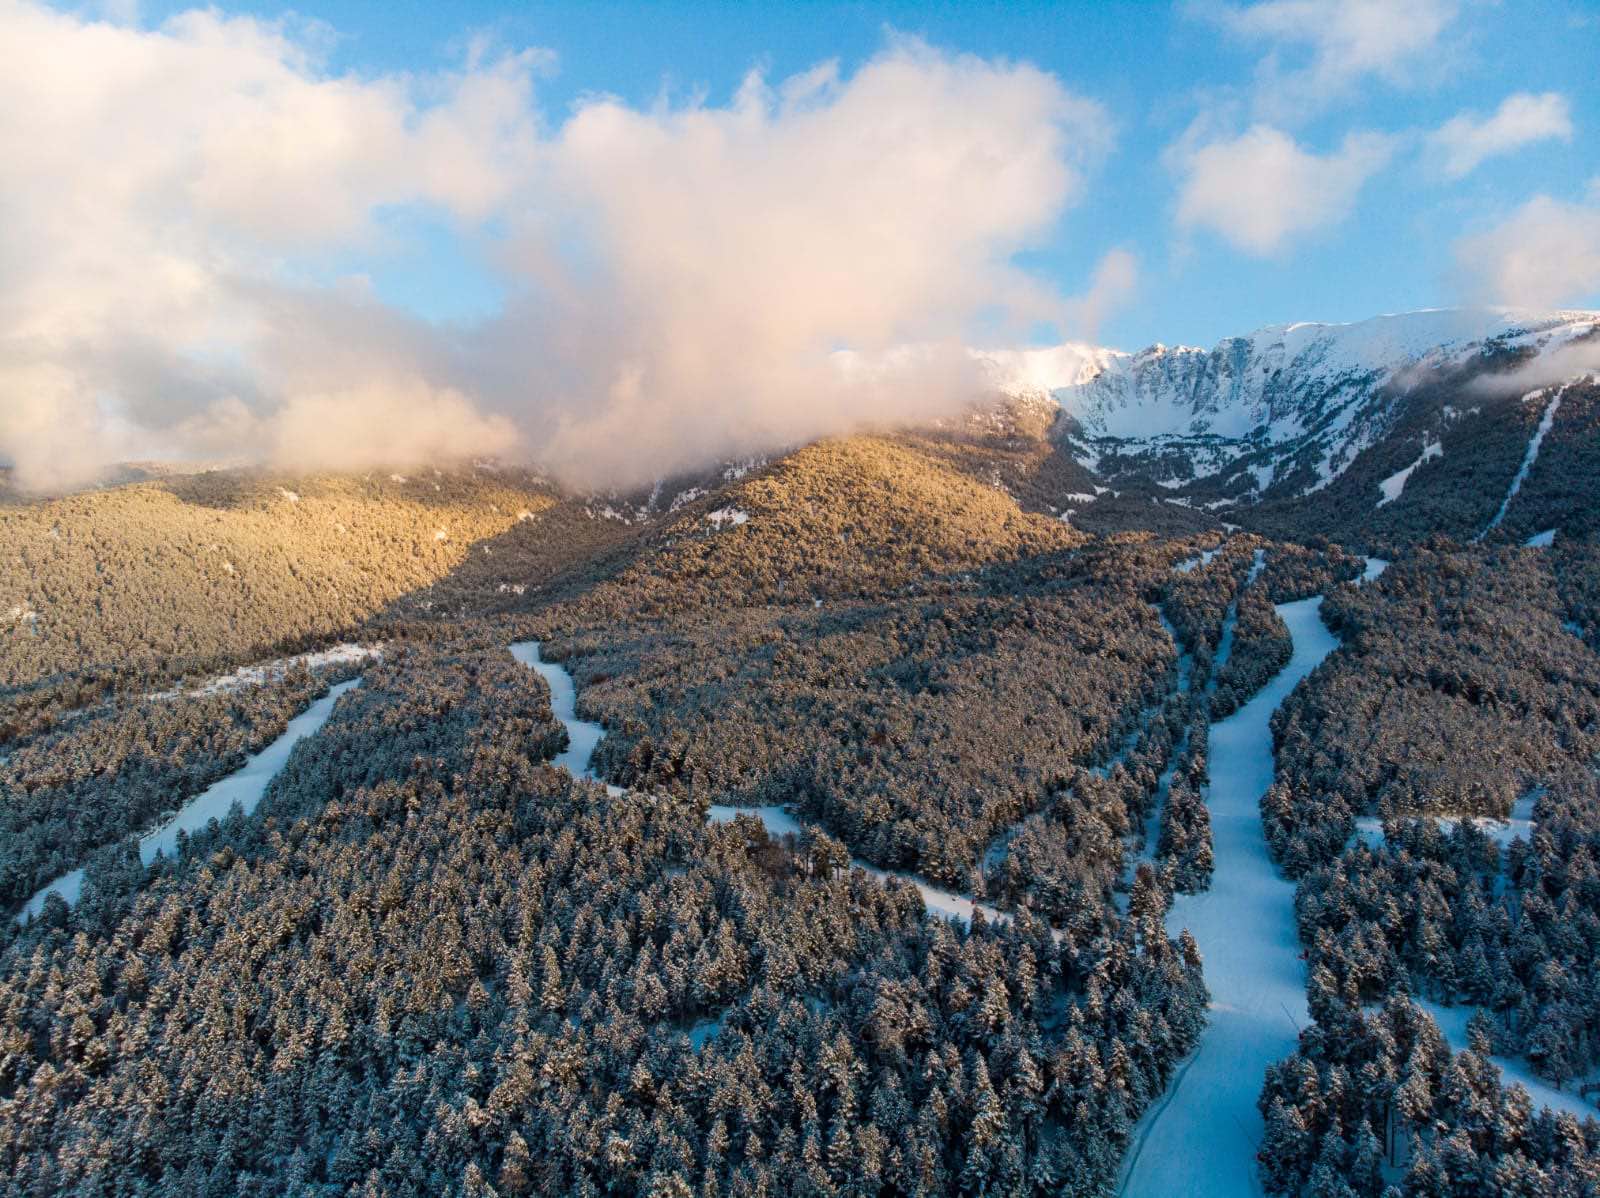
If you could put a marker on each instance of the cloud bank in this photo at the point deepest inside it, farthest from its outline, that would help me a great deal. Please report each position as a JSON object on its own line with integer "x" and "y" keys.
{"x": 1320, "y": 52}
{"x": 679, "y": 280}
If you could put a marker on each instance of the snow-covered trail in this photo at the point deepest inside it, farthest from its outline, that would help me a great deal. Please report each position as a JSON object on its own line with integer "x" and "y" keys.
{"x": 1202, "y": 1139}
{"x": 1528, "y": 459}
{"x": 584, "y": 736}
{"x": 945, "y": 904}
{"x": 244, "y": 786}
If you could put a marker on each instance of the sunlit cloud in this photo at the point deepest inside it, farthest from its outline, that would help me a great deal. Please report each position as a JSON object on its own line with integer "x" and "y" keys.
{"x": 678, "y": 277}
{"x": 1546, "y": 253}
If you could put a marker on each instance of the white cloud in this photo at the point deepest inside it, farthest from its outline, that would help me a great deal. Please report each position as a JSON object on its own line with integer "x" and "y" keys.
{"x": 1465, "y": 141}
{"x": 1260, "y": 190}
{"x": 1545, "y": 254}
{"x": 1116, "y": 278}
{"x": 1320, "y": 51}
{"x": 159, "y": 185}
{"x": 727, "y": 251}
{"x": 679, "y": 276}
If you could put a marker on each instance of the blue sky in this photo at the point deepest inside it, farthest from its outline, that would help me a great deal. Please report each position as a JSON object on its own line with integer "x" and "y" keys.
{"x": 1155, "y": 67}
{"x": 622, "y": 240}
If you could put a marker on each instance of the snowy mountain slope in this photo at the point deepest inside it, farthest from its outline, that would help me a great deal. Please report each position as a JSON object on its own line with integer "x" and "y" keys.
{"x": 1287, "y": 407}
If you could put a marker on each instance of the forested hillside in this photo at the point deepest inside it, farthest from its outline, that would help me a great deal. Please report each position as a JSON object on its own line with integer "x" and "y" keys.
{"x": 198, "y": 573}
{"x": 971, "y": 677}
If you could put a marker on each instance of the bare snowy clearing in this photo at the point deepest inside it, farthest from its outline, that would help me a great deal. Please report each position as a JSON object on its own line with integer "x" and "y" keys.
{"x": 347, "y": 653}
{"x": 1395, "y": 484}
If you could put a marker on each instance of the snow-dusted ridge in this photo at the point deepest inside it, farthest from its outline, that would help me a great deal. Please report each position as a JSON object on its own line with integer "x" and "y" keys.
{"x": 1323, "y": 388}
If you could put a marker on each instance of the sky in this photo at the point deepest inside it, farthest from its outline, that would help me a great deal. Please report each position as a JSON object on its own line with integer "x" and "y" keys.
{"x": 619, "y": 238}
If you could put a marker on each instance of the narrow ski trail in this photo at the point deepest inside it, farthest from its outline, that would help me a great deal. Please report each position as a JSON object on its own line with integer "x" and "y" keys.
{"x": 245, "y": 786}
{"x": 1529, "y": 457}
{"x": 1201, "y": 1139}
{"x": 584, "y": 736}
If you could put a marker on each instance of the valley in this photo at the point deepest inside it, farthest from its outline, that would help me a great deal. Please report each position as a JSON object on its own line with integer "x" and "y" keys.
{"x": 958, "y": 808}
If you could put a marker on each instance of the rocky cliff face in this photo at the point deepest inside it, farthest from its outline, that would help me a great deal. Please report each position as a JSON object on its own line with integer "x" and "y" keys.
{"x": 1285, "y": 409}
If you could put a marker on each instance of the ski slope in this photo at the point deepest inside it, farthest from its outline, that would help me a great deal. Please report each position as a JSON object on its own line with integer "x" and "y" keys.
{"x": 583, "y": 736}
{"x": 1201, "y": 1139}
{"x": 245, "y": 786}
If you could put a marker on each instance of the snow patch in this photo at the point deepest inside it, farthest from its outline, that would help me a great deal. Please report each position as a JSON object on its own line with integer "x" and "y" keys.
{"x": 583, "y": 736}
{"x": 1190, "y": 564}
{"x": 1395, "y": 484}
{"x": 346, "y": 653}
{"x": 730, "y": 516}
{"x": 1202, "y": 1139}
{"x": 1528, "y": 458}
{"x": 684, "y": 498}
{"x": 737, "y": 469}
{"x": 1541, "y": 540}
{"x": 1453, "y": 1022}
{"x": 244, "y": 788}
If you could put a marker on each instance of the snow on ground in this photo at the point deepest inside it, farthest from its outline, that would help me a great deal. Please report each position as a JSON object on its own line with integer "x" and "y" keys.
{"x": 943, "y": 904}
{"x": 1502, "y": 831}
{"x": 582, "y": 735}
{"x": 1146, "y": 853}
{"x": 1453, "y": 1021}
{"x": 702, "y": 1032}
{"x": 730, "y": 516}
{"x": 268, "y": 671}
{"x": 1541, "y": 540}
{"x": 737, "y": 469}
{"x": 778, "y": 822}
{"x": 1396, "y": 482}
{"x": 1375, "y": 567}
{"x": 1203, "y": 558}
{"x": 683, "y": 498}
{"x": 244, "y": 786}
{"x": 1201, "y": 1139}
{"x": 1528, "y": 458}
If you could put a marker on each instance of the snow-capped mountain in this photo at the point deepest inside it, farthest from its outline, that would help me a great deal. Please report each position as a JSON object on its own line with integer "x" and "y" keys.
{"x": 1316, "y": 393}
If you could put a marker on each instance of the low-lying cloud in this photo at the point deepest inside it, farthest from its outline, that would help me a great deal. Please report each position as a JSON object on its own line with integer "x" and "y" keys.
{"x": 679, "y": 280}
{"x": 1562, "y": 364}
